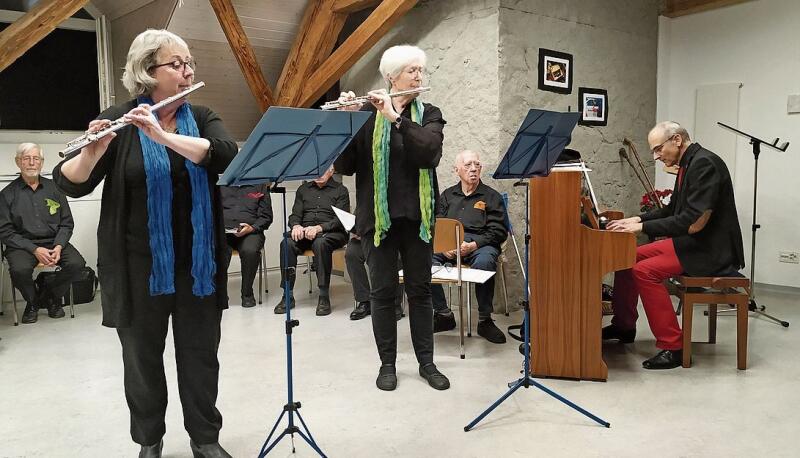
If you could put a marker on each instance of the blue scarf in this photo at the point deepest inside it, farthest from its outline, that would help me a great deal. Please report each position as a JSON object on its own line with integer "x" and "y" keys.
{"x": 159, "y": 213}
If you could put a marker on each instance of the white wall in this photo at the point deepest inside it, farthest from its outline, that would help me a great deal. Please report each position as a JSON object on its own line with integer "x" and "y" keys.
{"x": 755, "y": 43}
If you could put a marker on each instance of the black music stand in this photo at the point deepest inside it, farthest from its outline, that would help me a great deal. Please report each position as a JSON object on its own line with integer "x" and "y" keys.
{"x": 291, "y": 144}
{"x": 757, "y": 142}
{"x": 539, "y": 141}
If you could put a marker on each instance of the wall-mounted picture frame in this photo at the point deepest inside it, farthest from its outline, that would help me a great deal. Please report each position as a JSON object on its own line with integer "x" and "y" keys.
{"x": 555, "y": 71}
{"x": 593, "y": 106}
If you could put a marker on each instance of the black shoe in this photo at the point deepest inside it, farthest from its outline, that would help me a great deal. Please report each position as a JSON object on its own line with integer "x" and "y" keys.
{"x": 31, "y": 314}
{"x": 387, "y": 377}
{"x": 281, "y": 307}
{"x": 435, "y": 378}
{"x": 152, "y": 451}
{"x": 249, "y": 301}
{"x": 611, "y": 332}
{"x": 208, "y": 450}
{"x": 489, "y": 331}
{"x": 398, "y": 312}
{"x": 323, "y": 306}
{"x": 443, "y": 322}
{"x": 361, "y": 311}
{"x": 55, "y": 311}
{"x": 665, "y": 359}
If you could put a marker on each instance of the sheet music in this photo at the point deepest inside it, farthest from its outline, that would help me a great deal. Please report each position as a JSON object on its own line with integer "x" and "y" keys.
{"x": 586, "y": 171}
{"x": 348, "y": 219}
{"x": 451, "y": 273}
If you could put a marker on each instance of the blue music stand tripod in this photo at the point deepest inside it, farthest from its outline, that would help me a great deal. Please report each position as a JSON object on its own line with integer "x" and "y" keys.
{"x": 291, "y": 144}
{"x": 539, "y": 141}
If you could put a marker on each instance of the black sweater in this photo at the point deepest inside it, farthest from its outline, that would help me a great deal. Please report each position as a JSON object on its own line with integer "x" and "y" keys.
{"x": 701, "y": 216}
{"x": 412, "y": 147}
{"x": 113, "y": 243}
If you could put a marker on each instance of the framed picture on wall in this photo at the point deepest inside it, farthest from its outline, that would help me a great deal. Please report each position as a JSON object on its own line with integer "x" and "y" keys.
{"x": 593, "y": 106}
{"x": 555, "y": 71}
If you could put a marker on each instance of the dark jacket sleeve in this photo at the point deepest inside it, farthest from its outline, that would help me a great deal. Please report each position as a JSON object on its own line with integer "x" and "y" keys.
{"x": 441, "y": 205}
{"x": 297, "y": 209}
{"x": 658, "y": 213}
{"x": 342, "y": 202}
{"x": 264, "y": 220}
{"x": 423, "y": 143}
{"x": 223, "y": 149}
{"x": 495, "y": 233}
{"x": 702, "y": 189}
{"x": 8, "y": 233}
{"x": 66, "y": 225}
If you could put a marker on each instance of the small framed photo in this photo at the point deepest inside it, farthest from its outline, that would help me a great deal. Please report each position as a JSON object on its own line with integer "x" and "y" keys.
{"x": 555, "y": 71}
{"x": 593, "y": 106}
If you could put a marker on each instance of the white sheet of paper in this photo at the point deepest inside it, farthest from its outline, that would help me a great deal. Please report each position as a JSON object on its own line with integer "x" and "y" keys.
{"x": 348, "y": 219}
{"x": 467, "y": 274}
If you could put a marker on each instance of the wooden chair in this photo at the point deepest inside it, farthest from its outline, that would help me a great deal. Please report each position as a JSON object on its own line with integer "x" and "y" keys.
{"x": 309, "y": 256}
{"x": 261, "y": 263}
{"x": 734, "y": 290}
{"x": 448, "y": 235}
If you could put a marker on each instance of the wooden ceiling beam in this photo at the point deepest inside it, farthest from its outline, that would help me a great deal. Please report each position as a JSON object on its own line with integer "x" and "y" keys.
{"x": 357, "y": 44}
{"x": 677, "y": 8}
{"x": 243, "y": 52}
{"x": 317, "y": 35}
{"x": 353, "y": 6}
{"x": 36, "y": 24}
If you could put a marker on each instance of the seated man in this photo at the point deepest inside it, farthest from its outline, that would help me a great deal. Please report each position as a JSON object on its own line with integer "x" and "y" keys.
{"x": 35, "y": 227}
{"x": 702, "y": 238}
{"x": 247, "y": 211}
{"x": 354, "y": 259}
{"x": 480, "y": 209}
{"x": 316, "y": 227}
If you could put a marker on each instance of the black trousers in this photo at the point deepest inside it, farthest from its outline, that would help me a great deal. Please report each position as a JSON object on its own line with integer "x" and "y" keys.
{"x": 484, "y": 258}
{"x": 249, "y": 248}
{"x": 323, "y": 247}
{"x": 415, "y": 254}
{"x": 22, "y": 262}
{"x": 355, "y": 258}
{"x": 196, "y": 333}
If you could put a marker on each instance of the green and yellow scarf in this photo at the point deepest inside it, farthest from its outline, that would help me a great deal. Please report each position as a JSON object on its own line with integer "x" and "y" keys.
{"x": 380, "y": 177}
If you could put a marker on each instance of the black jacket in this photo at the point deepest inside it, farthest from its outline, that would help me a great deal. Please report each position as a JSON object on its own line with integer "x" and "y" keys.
{"x": 312, "y": 205}
{"x": 412, "y": 147}
{"x": 482, "y": 213}
{"x": 28, "y": 222}
{"x": 701, "y": 217}
{"x": 250, "y": 204}
{"x": 111, "y": 242}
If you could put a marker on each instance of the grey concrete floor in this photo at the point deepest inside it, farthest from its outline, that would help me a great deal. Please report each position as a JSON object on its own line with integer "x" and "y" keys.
{"x": 61, "y": 385}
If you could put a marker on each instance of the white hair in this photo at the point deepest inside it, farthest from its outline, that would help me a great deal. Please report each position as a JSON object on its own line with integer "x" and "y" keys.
{"x": 460, "y": 156}
{"x": 396, "y": 58}
{"x": 142, "y": 57}
{"x": 670, "y": 129}
{"x": 25, "y": 147}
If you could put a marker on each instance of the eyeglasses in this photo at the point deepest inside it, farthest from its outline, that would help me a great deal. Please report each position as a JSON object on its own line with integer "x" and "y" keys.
{"x": 30, "y": 158}
{"x": 657, "y": 149}
{"x": 178, "y": 65}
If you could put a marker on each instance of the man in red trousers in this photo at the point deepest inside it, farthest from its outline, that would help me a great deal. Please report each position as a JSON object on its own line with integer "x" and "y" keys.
{"x": 698, "y": 234}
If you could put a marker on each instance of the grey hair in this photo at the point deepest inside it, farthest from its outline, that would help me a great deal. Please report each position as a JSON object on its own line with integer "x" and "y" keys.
{"x": 460, "y": 156}
{"x": 25, "y": 147}
{"x": 672, "y": 128}
{"x": 396, "y": 58}
{"x": 142, "y": 57}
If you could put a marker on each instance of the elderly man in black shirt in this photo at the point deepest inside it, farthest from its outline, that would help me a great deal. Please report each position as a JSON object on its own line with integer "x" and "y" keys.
{"x": 315, "y": 226}
{"x": 35, "y": 227}
{"x": 480, "y": 209}
{"x": 248, "y": 213}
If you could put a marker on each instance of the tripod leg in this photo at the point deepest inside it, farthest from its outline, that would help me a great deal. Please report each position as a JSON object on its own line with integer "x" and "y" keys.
{"x": 569, "y": 403}
{"x": 785, "y": 324}
{"x": 264, "y": 448}
{"x": 486, "y": 412}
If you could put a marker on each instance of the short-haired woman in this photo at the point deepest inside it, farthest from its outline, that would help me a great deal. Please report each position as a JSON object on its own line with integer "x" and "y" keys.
{"x": 394, "y": 158}
{"x": 161, "y": 239}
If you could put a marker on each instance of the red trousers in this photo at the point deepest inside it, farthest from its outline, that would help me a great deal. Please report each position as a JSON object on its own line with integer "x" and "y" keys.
{"x": 655, "y": 262}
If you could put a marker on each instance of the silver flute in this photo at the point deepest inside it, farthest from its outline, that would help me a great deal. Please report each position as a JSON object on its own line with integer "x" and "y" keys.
{"x": 334, "y": 104}
{"x": 117, "y": 124}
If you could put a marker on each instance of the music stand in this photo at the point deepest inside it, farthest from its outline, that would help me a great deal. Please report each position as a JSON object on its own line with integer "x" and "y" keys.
{"x": 291, "y": 144}
{"x": 757, "y": 142}
{"x": 539, "y": 141}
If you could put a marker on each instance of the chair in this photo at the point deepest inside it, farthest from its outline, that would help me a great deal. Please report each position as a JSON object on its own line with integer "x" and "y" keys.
{"x": 261, "y": 263}
{"x": 734, "y": 290}
{"x": 36, "y": 271}
{"x": 309, "y": 256}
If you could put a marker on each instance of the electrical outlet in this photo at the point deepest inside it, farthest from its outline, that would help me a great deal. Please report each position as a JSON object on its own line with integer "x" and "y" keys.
{"x": 792, "y": 257}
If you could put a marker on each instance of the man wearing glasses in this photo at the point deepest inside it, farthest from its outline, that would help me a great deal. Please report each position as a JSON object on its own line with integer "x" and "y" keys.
{"x": 35, "y": 228}
{"x": 480, "y": 209}
{"x": 699, "y": 235}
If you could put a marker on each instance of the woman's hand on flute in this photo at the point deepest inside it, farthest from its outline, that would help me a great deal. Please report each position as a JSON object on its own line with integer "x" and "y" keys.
{"x": 95, "y": 150}
{"x": 346, "y": 97}
{"x": 142, "y": 118}
{"x": 382, "y": 102}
